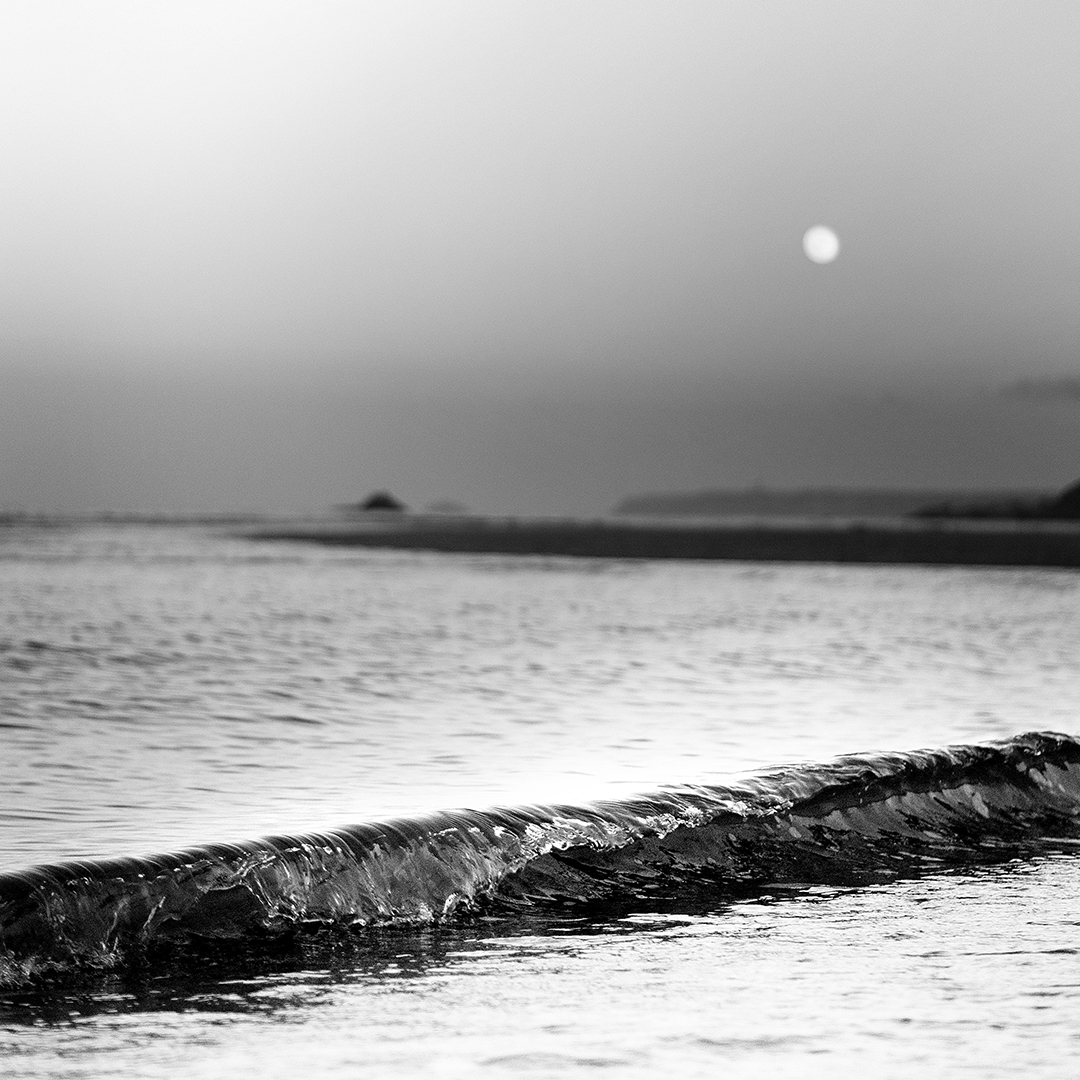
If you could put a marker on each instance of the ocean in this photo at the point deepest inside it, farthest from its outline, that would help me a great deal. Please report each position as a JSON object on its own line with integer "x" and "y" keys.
{"x": 298, "y": 810}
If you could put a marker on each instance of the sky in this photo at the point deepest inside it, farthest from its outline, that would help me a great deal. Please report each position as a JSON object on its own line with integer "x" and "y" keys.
{"x": 533, "y": 257}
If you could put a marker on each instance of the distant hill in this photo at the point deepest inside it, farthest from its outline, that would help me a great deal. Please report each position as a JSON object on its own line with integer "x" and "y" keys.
{"x": 809, "y": 503}
{"x": 1065, "y": 506}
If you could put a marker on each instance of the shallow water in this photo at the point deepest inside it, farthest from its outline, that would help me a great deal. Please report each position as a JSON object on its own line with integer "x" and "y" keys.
{"x": 166, "y": 686}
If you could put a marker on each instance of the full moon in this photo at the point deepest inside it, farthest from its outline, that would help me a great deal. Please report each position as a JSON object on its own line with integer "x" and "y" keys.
{"x": 821, "y": 244}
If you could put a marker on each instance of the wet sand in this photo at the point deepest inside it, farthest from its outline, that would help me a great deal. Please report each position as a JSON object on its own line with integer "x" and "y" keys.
{"x": 947, "y": 543}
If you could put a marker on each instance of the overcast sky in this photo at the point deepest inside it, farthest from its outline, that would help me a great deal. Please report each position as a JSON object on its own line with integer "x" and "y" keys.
{"x": 533, "y": 256}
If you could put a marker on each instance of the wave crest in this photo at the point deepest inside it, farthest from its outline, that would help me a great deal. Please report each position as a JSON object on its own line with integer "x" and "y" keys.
{"x": 856, "y": 819}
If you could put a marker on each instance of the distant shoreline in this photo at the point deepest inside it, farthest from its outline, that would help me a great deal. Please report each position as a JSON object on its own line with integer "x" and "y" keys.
{"x": 946, "y": 543}
{"x": 816, "y": 502}
{"x": 869, "y": 503}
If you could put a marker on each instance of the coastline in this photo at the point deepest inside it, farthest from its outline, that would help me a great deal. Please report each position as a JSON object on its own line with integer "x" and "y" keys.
{"x": 881, "y": 541}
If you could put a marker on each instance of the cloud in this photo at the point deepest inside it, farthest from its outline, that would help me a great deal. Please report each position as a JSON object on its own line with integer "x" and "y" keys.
{"x": 1061, "y": 388}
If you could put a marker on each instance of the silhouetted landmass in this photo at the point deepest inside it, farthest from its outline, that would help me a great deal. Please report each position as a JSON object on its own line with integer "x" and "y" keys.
{"x": 1065, "y": 506}
{"x": 912, "y": 541}
{"x": 379, "y": 500}
{"x": 809, "y": 503}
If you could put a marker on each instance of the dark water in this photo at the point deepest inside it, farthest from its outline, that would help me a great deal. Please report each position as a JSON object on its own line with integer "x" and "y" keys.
{"x": 171, "y": 689}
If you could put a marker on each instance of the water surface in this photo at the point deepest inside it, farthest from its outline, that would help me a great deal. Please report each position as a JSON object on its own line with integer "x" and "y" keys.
{"x": 161, "y": 687}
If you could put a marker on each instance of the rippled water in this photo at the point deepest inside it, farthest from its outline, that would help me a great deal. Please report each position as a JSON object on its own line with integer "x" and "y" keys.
{"x": 166, "y": 686}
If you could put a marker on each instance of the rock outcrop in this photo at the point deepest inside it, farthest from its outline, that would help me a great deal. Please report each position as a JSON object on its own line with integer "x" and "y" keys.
{"x": 381, "y": 500}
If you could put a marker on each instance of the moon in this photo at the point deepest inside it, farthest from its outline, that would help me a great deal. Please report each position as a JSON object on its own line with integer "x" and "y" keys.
{"x": 821, "y": 244}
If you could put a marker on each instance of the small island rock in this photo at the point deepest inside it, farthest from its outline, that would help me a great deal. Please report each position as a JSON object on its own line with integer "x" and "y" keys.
{"x": 382, "y": 500}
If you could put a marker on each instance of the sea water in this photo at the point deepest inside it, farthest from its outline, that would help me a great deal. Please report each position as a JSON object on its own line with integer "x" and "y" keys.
{"x": 164, "y": 687}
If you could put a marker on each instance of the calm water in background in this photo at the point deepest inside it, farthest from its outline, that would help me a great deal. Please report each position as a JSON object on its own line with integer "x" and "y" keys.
{"x": 166, "y": 686}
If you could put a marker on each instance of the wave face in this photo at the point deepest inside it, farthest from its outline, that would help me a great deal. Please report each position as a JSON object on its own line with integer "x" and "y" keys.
{"x": 854, "y": 820}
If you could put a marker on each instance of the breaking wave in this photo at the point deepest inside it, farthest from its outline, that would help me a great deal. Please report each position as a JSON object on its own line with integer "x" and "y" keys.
{"x": 851, "y": 821}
